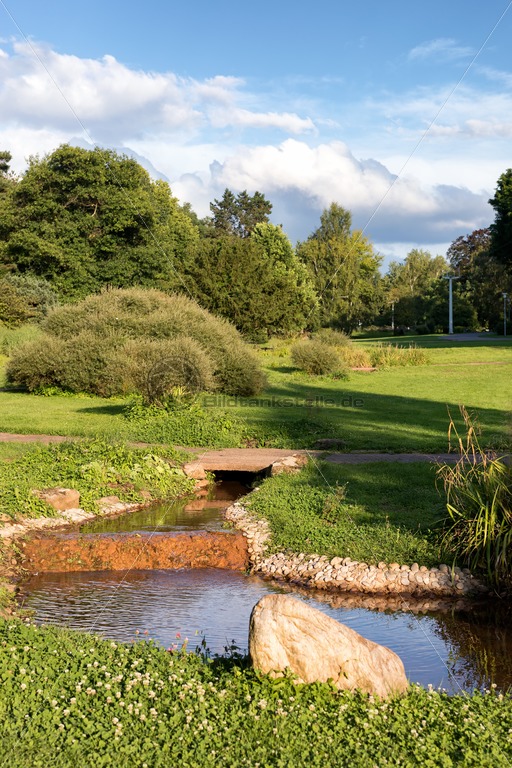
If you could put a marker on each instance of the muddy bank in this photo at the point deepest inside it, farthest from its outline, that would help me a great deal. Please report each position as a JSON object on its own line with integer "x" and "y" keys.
{"x": 119, "y": 552}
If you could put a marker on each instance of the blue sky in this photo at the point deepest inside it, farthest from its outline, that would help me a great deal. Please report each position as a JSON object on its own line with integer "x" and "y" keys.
{"x": 381, "y": 107}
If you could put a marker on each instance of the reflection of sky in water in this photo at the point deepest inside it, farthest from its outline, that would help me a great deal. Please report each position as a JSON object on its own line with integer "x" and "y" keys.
{"x": 218, "y": 603}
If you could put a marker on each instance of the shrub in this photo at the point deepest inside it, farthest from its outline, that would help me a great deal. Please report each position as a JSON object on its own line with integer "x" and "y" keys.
{"x": 39, "y": 293}
{"x": 316, "y": 358}
{"x": 157, "y": 367}
{"x": 10, "y": 338}
{"x": 14, "y": 308}
{"x": 332, "y": 338}
{"x": 100, "y": 326}
{"x": 37, "y": 364}
{"x": 478, "y": 524}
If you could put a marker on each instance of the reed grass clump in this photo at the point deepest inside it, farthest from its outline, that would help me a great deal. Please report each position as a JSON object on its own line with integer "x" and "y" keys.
{"x": 478, "y": 492}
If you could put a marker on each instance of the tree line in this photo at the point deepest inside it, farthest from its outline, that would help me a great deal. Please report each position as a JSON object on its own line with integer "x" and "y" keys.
{"x": 79, "y": 221}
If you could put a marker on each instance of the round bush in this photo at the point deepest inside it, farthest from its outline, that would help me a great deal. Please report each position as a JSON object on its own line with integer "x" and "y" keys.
{"x": 159, "y": 366}
{"x": 315, "y": 357}
{"x": 101, "y": 324}
{"x": 332, "y": 338}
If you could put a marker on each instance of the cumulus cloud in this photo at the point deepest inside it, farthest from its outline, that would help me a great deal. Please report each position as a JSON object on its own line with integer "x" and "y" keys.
{"x": 303, "y": 180}
{"x": 42, "y": 88}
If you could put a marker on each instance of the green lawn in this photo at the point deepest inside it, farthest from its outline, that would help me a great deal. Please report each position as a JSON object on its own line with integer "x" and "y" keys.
{"x": 395, "y": 409}
{"x": 387, "y": 512}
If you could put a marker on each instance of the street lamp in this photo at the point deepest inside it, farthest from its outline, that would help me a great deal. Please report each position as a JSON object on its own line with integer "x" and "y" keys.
{"x": 505, "y": 297}
{"x": 450, "y": 279}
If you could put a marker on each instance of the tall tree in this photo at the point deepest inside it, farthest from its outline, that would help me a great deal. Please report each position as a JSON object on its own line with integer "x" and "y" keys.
{"x": 345, "y": 271}
{"x": 257, "y": 283}
{"x": 86, "y": 218}
{"x": 409, "y": 285}
{"x": 482, "y": 277}
{"x": 501, "y": 228}
{"x": 238, "y": 215}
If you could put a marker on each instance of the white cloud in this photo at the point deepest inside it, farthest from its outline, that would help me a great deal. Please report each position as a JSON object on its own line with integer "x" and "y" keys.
{"x": 442, "y": 49}
{"x": 43, "y": 88}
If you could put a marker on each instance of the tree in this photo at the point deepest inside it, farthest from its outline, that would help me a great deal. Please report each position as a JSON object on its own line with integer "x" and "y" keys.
{"x": 344, "y": 269}
{"x": 501, "y": 229}
{"x": 409, "y": 285}
{"x": 257, "y": 283}
{"x": 483, "y": 277}
{"x": 83, "y": 219}
{"x": 239, "y": 215}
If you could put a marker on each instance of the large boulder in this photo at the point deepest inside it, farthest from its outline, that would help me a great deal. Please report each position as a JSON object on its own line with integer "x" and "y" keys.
{"x": 286, "y": 633}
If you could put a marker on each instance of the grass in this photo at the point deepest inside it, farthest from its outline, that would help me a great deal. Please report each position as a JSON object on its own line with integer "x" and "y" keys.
{"x": 74, "y": 699}
{"x": 399, "y": 409}
{"x": 369, "y": 512}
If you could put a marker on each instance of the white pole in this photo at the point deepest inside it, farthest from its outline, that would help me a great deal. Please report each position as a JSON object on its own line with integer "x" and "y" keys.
{"x": 450, "y": 279}
{"x": 505, "y": 296}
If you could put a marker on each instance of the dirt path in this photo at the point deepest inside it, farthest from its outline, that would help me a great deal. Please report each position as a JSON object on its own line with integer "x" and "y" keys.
{"x": 257, "y": 459}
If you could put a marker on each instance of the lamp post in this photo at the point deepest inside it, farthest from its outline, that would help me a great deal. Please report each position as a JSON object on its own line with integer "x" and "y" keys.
{"x": 450, "y": 279}
{"x": 505, "y": 297}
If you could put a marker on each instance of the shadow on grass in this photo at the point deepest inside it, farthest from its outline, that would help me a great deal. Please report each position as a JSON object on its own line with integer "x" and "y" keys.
{"x": 108, "y": 410}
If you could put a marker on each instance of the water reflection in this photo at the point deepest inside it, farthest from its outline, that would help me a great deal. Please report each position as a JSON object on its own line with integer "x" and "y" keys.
{"x": 457, "y": 652}
{"x": 198, "y": 514}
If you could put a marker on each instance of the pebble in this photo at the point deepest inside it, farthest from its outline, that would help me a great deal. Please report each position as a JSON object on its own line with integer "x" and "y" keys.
{"x": 345, "y": 574}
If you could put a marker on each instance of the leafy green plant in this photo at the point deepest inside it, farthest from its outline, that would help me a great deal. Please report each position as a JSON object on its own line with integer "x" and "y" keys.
{"x": 478, "y": 493}
{"x": 95, "y": 469}
{"x": 71, "y": 698}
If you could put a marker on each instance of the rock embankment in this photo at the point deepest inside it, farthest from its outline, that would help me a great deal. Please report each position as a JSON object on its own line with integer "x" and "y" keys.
{"x": 344, "y": 574}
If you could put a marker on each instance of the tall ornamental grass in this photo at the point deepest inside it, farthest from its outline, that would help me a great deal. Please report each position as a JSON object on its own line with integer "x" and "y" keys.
{"x": 478, "y": 524}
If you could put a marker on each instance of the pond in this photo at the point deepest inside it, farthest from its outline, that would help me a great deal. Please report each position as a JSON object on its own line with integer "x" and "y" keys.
{"x": 453, "y": 650}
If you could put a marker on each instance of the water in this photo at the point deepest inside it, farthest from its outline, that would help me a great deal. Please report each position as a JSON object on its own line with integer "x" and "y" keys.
{"x": 456, "y": 651}
{"x": 170, "y": 606}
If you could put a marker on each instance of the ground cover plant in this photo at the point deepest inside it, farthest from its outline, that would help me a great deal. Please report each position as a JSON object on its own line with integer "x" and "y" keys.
{"x": 71, "y": 698}
{"x": 95, "y": 469}
{"x": 370, "y": 513}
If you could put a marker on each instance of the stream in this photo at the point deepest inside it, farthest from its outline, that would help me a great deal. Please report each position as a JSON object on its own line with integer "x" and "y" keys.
{"x": 454, "y": 650}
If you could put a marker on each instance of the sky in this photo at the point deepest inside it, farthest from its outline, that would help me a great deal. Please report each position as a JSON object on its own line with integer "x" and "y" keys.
{"x": 399, "y": 111}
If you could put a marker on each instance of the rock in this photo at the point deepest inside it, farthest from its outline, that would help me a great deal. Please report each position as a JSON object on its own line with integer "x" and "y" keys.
{"x": 195, "y": 470}
{"x": 108, "y": 501}
{"x": 60, "y": 498}
{"x": 286, "y": 633}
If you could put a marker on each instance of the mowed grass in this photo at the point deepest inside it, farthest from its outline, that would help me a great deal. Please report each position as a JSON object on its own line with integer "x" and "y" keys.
{"x": 393, "y": 409}
{"x": 369, "y": 512}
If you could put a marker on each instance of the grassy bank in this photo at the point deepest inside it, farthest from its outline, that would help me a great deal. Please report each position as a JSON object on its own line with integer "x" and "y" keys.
{"x": 368, "y": 512}
{"x": 93, "y": 468}
{"x": 73, "y": 699}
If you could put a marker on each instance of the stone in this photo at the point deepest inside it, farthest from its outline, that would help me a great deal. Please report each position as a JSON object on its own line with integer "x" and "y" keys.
{"x": 195, "y": 470}
{"x": 285, "y": 633}
{"x": 60, "y": 498}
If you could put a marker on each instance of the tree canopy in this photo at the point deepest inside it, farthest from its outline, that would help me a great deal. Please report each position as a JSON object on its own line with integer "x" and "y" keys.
{"x": 88, "y": 218}
{"x": 501, "y": 228}
{"x": 344, "y": 269}
{"x": 239, "y": 214}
